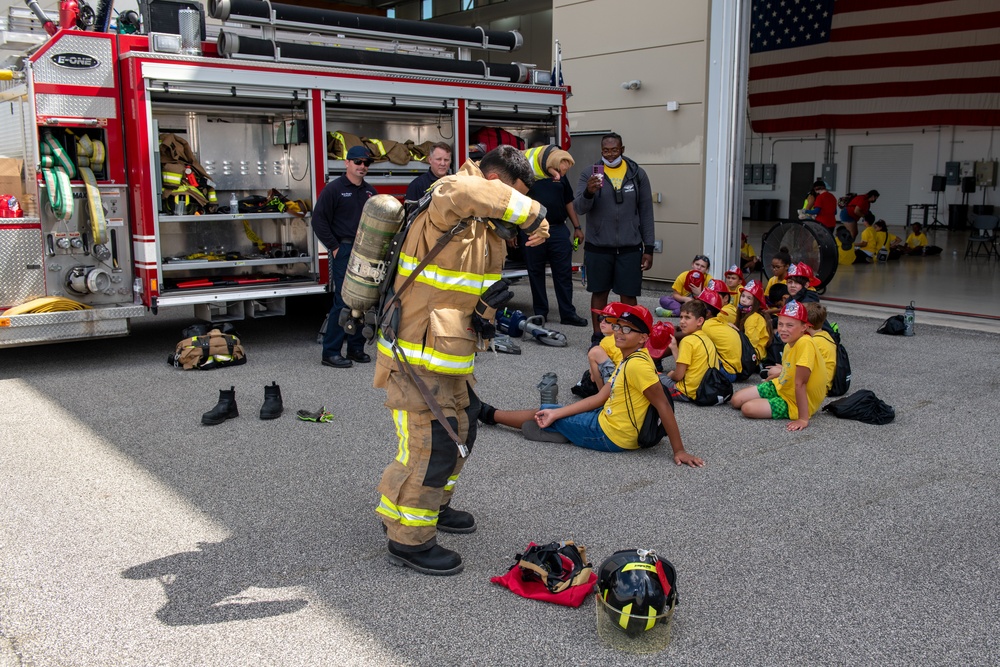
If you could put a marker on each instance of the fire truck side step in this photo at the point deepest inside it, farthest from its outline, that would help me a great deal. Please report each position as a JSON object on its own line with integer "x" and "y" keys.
{"x": 258, "y": 308}
{"x": 221, "y": 311}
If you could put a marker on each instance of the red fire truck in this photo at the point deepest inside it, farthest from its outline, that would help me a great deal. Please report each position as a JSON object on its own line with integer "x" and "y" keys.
{"x": 102, "y": 240}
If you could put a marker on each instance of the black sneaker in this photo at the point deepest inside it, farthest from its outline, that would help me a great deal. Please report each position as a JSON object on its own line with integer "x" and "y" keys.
{"x": 435, "y": 561}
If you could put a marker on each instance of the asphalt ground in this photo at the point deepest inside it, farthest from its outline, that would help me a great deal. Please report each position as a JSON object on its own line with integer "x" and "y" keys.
{"x": 130, "y": 534}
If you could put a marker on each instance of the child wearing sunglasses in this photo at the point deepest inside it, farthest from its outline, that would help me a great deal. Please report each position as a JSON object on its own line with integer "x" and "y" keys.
{"x": 608, "y": 421}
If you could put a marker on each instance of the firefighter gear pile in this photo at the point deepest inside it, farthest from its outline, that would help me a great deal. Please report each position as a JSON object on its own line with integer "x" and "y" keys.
{"x": 557, "y": 572}
{"x": 382, "y": 150}
{"x": 185, "y": 181}
{"x": 208, "y": 352}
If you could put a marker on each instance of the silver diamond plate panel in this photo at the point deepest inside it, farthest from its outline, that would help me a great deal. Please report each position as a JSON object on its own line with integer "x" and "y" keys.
{"x": 75, "y": 325}
{"x": 46, "y": 71}
{"x": 75, "y": 106}
{"x": 22, "y": 274}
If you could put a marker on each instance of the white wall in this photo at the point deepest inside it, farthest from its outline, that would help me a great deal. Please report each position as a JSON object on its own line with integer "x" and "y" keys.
{"x": 932, "y": 147}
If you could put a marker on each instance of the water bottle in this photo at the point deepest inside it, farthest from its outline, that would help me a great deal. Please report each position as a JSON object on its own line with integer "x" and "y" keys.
{"x": 234, "y": 203}
{"x": 908, "y": 316}
{"x": 549, "y": 389}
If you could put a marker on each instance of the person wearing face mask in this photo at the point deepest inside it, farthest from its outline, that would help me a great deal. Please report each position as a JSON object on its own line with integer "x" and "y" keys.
{"x": 439, "y": 161}
{"x": 615, "y": 196}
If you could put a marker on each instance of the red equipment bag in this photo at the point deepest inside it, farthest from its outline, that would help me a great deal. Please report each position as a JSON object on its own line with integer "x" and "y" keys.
{"x": 557, "y": 572}
{"x": 491, "y": 137}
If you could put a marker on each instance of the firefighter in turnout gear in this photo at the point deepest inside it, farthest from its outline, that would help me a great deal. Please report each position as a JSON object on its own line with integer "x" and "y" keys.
{"x": 445, "y": 314}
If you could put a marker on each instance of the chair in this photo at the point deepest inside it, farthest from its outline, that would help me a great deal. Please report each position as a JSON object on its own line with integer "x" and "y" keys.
{"x": 984, "y": 234}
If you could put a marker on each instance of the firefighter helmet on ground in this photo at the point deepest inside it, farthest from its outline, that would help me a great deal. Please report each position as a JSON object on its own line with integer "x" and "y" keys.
{"x": 638, "y": 589}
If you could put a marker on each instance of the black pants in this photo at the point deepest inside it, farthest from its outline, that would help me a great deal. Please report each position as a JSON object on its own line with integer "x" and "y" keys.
{"x": 557, "y": 252}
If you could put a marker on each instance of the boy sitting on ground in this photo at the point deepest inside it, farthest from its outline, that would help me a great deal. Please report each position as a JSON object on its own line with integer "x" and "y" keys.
{"x": 802, "y": 383}
{"x": 605, "y": 356}
{"x": 694, "y": 355}
{"x": 610, "y": 420}
{"x": 726, "y": 338}
{"x": 825, "y": 344}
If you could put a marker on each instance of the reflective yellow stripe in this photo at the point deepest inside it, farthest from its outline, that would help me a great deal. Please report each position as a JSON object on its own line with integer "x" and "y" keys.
{"x": 171, "y": 178}
{"x": 340, "y": 137}
{"x": 518, "y": 209}
{"x": 623, "y": 618}
{"x": 378, "y": 143}
{"x": 651, "y": 617}
{"x": 451, "y": 483}
{"x": 534, "y": 156}
{"x": 407, "y": 516}
{"x": 429, "y": 358}
{"x": 444, "y": 279}
{"x": 403, "y": 431}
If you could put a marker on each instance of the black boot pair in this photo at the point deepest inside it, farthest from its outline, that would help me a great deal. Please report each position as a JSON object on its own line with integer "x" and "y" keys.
{"x": 226, "y": 407}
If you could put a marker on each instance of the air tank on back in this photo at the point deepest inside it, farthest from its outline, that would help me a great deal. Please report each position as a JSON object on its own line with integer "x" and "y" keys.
{"x": 381, "y": 218}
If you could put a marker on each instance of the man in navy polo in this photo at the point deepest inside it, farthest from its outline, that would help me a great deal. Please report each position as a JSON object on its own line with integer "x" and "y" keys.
{"x": 335, "y": 221}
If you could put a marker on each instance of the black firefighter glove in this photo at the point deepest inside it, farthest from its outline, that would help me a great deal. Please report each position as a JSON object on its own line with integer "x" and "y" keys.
{"x": 493, "y": 299}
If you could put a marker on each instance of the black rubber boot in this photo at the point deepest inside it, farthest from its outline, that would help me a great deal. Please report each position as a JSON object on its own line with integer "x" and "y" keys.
{"x": 436, "y": 561}
{"x": 223, "y": 410}
{"x": 272, "y": 407}
{"x": 455, "y": 521}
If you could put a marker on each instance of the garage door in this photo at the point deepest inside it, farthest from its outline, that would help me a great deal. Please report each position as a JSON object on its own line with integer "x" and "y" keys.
{"x": 886, "y": 169}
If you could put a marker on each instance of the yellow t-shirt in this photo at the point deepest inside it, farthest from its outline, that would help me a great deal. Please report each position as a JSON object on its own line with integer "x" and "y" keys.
{"x": 916, "y": 240}
{"x": 727, "y": 344}
{"x": 803, "y": 353}
{"x": 828, "y": 350}
{"x": 746, "y": 250}
{"x": 755, "y": 329}
{"x": 695, "y": 354}
{"x": 616, "y": 174}
{"x": 875, "y": 240}
{"x": 679, "y": 284}
{"x": 846, "y": 257}
{"x": 728, "y": 314}
{"x": 624, "y": 411}
{"x": 613, "y": 351}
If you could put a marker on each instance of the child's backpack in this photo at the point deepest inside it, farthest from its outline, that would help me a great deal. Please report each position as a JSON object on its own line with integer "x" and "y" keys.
{"x": 863, "y": 406}
{"x": 894, "y": 326}
{"x": 842, "y": 374}
{"x": 748, "y": 359}
{"x": 843, "y": 201}
{"x": 715, "y": 387}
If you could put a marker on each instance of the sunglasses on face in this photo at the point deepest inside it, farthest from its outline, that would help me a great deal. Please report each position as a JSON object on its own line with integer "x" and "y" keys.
{"x": 367, "y": 163}
{"x": 703, "y": 258}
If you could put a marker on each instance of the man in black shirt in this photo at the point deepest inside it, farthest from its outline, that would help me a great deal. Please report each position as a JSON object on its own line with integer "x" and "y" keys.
{"x": 335, "y": 221}
{"x": 557, "y": 251}
{"x": 439, "y": 162}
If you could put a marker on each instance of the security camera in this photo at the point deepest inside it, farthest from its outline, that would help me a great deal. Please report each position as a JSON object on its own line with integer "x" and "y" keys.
{"x": 634, "y": 84}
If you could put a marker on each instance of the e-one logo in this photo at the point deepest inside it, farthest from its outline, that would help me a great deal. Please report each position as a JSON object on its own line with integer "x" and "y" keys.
{"x": 75, "y": 61}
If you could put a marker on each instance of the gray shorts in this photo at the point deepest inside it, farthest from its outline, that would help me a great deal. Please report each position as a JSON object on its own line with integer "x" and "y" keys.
{"x": 607, "y": 367}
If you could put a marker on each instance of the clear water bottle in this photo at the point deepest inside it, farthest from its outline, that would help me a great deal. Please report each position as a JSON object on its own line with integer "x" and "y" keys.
{"x": 908, "y": 317}
{"x": 234, "y": 203}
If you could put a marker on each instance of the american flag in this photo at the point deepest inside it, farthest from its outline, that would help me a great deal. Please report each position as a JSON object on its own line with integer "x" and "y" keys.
{"x": 817, "y": 64}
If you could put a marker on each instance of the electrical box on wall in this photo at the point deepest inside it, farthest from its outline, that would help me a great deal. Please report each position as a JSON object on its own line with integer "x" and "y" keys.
{"x": 830, "y": 176}
{"x": 967, "y": 169}
{"x": 953, "y": 172}
{"x": 770, "y": 170}
{"x": 747, "y": 174}
{"x": 758, "y": 173}
{"x": 986, "y": 174}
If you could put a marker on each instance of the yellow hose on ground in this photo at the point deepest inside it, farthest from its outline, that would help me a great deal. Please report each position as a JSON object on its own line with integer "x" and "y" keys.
{"x": 46, "y": 304}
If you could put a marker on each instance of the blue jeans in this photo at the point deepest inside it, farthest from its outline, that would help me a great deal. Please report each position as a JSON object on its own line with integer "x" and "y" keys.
{"x": 333, "y": 341}
{"x": 583, "y": 430}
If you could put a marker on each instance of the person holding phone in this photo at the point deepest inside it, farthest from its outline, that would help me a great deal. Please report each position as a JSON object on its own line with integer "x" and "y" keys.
{"x": 616, "y": 197}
